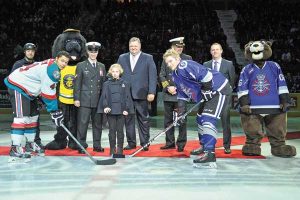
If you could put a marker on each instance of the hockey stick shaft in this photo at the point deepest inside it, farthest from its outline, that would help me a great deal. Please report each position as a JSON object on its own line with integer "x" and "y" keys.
{"x": 164, "y": 131}
{"x": 97, "y": 162}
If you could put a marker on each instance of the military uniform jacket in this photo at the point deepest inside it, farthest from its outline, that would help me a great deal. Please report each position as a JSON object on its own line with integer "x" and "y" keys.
{"x": 165, "y": 77}
{"x": 88, "y": 83}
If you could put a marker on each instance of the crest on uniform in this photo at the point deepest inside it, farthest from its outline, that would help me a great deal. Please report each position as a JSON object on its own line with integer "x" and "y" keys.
{"x": 56, "y": 74}
{"x": 182, "y": 65}
{"x": 261, "y": 85}
{"x": 69, "y": 81}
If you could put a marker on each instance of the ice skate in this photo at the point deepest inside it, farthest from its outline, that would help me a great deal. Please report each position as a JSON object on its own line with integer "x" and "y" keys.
{"x": 206, "y": 160}
{"x": 17, "y": 155}
{"x": 33, "y": 149}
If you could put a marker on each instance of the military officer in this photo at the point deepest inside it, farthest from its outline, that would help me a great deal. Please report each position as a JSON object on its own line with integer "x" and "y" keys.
{"x": 90, "y": 76}
{"x": 171, "y": 105}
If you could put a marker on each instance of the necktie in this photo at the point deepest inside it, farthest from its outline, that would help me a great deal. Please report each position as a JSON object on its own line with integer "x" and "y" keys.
{"x": 94, "y": 65}
{"x": 215, "y": 67}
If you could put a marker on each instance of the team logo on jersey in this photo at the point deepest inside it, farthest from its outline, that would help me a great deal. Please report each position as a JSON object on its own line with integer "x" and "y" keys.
{"x": 188, "y": 91}
{"x": 68, "y": 81}
{"x": 261, "y": 85}
{"x": 56, "y": 74}
{"x": 182, "y": 65}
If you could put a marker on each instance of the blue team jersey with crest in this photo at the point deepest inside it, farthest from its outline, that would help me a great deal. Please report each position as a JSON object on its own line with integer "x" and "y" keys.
{"x": 189, "y": 77}
{"x": 262, "y": 85}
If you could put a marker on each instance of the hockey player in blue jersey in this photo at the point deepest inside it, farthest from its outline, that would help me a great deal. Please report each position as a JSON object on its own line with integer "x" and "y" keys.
{"x": 196, "y": 83}
{"x": 24, "y": 85}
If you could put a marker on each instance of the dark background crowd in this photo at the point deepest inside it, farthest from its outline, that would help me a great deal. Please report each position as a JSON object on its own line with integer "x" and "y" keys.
{"x": 155, "y": 22}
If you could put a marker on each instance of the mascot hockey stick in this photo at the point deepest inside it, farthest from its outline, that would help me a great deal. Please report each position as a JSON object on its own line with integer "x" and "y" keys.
{"x": 168, "y": 128}
{"x": 109, "y": 161}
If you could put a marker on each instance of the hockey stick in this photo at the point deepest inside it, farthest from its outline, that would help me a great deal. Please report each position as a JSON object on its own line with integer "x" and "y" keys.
{"x": 109, "y": 161}
{"x": 168, "y": 128}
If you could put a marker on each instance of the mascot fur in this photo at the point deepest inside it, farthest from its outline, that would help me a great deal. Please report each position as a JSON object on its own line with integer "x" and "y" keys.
{"x": 263, "y": 98}
{"x": 73, "y": 42}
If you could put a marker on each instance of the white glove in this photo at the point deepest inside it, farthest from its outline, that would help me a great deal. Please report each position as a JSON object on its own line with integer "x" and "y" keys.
{"x": 107, "y": 110}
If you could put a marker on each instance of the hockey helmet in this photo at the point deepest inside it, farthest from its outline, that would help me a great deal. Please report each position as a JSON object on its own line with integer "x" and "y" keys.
{"x": 29, "y": 46}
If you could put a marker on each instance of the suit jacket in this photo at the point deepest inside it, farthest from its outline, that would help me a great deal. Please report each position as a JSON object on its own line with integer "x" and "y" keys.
{"x": 226, "y": 68}
{"x": 165, "y": 77}
{"x": 88, "y": 83}
{"x": 143, "y": 78}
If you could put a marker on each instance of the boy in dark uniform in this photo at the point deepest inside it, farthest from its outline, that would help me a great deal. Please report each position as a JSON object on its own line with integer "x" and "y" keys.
{"x": 116, "y": 102}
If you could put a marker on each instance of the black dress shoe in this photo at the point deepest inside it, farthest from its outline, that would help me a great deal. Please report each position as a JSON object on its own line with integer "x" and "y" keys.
{"x": 167, "y": 147}
{"x": 129, "y": 147}
{"x": 98, "y": 149}
{"x": 81, "y": 151}
{"x": 145, "y": 149}
{"x": 180, "y": 149}
{"x": 227, "y": 151}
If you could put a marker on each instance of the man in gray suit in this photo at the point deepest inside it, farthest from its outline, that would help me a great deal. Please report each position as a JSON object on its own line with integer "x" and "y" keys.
{"x": 140, "y": 72}
{"x": 227, "y": 69}
{"x": 90, "y": 76}
{"x": 171, "y": 104}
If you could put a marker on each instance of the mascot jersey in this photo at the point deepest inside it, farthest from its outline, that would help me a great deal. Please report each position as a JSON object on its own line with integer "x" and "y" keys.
{"x": 66, "y": 85}
{"x": 37, "y": 79}
{"x": 262, "y": 85}
{"x": 189, "y": 76}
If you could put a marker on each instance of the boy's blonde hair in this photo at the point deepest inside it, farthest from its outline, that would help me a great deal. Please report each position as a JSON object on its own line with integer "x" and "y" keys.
{"x": 118, "y": 66}
{"x": 171, "y": 52}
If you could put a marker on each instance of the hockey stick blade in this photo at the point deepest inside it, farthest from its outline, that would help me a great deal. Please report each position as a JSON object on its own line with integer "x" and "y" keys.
{"x": 110, "y": 161}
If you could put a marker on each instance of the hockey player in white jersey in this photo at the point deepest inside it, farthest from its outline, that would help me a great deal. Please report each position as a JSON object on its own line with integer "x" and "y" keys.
{"x": 24, "y": 85}
{"x": 196, "y": 83}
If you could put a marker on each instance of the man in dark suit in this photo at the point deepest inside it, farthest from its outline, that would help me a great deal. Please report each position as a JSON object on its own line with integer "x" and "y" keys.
{"x": 171, "y": 104}
{"x": 140, "y": 72}
{"x": 227, "y": 69}
{"x": 90, "y": 76}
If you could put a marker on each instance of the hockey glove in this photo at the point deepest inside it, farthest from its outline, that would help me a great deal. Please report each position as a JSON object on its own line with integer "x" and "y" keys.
{"x": 57, "y": 117}
{"x": 246, "y": 109}
{"x": 284, "y": 107}
{"x": 208, "y": 95}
